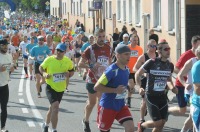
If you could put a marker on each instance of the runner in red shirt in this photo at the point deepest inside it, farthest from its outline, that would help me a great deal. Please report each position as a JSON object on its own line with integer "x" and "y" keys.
{"x": 182, "y": 103}
{"x": 96, "y": 58}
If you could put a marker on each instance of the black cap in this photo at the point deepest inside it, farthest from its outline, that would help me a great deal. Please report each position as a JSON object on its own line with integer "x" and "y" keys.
{"x": 3, "y": 42}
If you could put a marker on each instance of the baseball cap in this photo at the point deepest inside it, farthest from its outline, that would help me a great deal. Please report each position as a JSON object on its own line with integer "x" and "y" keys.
{"x": 61, "y": 46}
{"x": 122, "y": 48}
{"x": 40, "y": 37}
{"x": 3, "y": 42}
{"x": 90, "y": 36}
{"x": 125, "y": 35}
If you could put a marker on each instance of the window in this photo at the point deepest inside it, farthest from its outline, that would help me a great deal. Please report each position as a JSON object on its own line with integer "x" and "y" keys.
{"x": 88, "y": 8}
{"x": 74, "y": 7}
{"x": 55, "y": 11}
{"x": 80, "y": 7}
{"x": 77, "y": 13}
{"x": 65, "y": 8}
{"x": 92, "y": 12}
{"x": 124, "y": 10}
{"x": 71, "y": 7}
{"x": 130, "y": 11}
{"x": 171, "y": 17}
{"x": 118, "y": 10}
{"x": 106, "y": 9}
{"x": 157, "y": 14}
{"x": 138, "y": 12}
{"x": 110, "y": 9}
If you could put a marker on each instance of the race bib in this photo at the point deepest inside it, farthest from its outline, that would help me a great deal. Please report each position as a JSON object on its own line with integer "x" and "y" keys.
{"x": 134, "y": 53}
{"x": 159, "y": 85}
{"x": 59, "y": 77}
{"x": 40, "y": 57}
{"x": 103, "y": 60}
{"x": 121, "y": 96}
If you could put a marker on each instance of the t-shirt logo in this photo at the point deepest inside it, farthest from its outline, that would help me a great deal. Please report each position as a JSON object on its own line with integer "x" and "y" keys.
{"x": 44, "y": 51}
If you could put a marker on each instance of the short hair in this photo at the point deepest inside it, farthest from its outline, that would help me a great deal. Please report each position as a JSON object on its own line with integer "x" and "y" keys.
{"x": 134, "y": 36}
{"x": 195, "y": 39}
{"x": 132, "y": 29}
{"x": 160, "y": 45}
{"x": 48, "y": 36}
{"x": 198, "y": 49}
{"x": 100, "y": 31}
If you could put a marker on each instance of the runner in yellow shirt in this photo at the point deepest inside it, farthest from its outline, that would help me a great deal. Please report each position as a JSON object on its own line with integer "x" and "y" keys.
{"x": 56, "y": 70}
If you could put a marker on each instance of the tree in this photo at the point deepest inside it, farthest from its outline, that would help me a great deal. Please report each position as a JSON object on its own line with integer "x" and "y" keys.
{"x": 30, "y": 4}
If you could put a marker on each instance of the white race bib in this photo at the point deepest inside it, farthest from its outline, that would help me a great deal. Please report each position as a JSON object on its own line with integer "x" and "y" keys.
{"x": 40, "y": 57}
{"x": 121, "y": 96}
{"x": 103, "y": 60}
{"x": 159, "y": 85}
{"x": 134, "y": 53}
{"x": 59, "y": 77}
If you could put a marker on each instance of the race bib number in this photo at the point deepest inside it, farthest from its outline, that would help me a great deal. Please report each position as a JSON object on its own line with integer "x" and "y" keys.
{"x": 40, "y": 57}
{"x": 103, "y": 60}
{"x": 159, "y": 85}
{"x": 59, "y": 77}
{"x": 121, "y": 96}
{"x": 134, "y": 53}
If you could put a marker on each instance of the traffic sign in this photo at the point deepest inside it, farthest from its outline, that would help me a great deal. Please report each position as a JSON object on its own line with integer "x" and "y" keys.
{"x": 47, "y": 3}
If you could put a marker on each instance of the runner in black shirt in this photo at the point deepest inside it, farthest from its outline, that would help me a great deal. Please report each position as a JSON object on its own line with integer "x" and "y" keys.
{"x": 159, "y": 73}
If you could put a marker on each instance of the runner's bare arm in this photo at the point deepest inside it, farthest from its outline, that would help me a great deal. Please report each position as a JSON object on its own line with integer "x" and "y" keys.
{"x": 184, "y": 71}
{"x": 139, "y": 63}
{"x": 171, "y": 86}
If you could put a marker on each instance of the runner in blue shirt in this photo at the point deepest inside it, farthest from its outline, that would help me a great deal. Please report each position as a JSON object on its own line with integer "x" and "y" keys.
{"x": 195, "y": 106}
{"x": 29, "y": 47}
{"x": 113, "y": 85}
{"x": 39, "y": 53}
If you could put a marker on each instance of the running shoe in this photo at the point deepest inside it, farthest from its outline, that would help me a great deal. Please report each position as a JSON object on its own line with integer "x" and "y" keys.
{"x": 4, "y": 130}
{"x": 31, "y": 77}
{"x": 45, "y": 128}
{"x": 26, "y": 75}
{"x": 80, "y": 75}
{"x": 39, "y": 95}
{"x": 86, "y": 126}
{"x": 140, "y": 128}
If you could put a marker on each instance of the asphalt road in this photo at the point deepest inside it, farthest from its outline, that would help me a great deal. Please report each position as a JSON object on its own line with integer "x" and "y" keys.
{"x": 26, "y": 112}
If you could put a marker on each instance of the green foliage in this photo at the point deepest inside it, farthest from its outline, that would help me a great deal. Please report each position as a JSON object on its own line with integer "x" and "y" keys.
{"x": 30, "y": 4}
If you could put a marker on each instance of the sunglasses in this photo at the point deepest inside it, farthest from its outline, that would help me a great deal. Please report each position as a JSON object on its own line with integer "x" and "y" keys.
{"x": 40, "y": 39}
{"x": 152, "y": 46}
{"x": 167, "y": 49}
{"x": 58, "y": 50}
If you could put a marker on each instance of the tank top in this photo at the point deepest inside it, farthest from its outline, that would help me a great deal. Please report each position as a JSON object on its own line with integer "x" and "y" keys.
{"x": 143, "y": 78}
{"x": 158, "y": 73}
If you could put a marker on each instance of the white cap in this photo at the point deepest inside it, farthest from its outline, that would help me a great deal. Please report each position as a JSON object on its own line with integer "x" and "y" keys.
{"x": 125, "y": 35}
{"x": 90, "y": 36}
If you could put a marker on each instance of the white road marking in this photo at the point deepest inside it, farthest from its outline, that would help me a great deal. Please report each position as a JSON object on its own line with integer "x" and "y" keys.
{"x": 25, "y": 110}
{"x": 20, "y": 90}
{"x": 30, "y": 123}
{"x": 21, "y": 101}
{"x": 36, "y": 113}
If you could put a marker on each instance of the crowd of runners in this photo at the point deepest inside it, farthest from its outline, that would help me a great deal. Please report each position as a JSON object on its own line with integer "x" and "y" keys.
{"x": 113, "y": 70}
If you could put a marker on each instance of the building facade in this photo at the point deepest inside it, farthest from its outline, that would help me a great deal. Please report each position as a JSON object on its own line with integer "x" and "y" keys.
{"x": 173, "y": 20}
